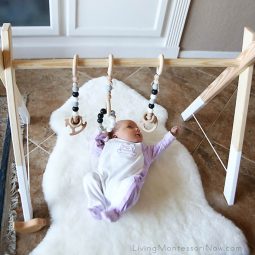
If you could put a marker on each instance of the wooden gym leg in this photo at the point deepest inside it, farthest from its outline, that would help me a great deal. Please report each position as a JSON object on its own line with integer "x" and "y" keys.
{"x": 241, "y": 109}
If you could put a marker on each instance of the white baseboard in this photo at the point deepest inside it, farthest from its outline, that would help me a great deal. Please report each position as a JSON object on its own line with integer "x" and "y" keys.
{"x": 67, "y": 47}
{"x": 208, "y": 54}
{"x": 89, "y": 51}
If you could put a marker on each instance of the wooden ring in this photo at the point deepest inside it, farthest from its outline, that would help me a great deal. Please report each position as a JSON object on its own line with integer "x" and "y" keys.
{"x": 74, "y": 126}
{"x": 153, "y": 121}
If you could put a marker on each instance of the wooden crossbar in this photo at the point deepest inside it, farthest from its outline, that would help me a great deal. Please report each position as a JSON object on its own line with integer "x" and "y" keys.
{"x": 121, "y": 62}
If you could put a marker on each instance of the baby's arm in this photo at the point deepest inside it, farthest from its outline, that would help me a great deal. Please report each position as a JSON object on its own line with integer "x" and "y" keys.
{"x": 99, "y": 142}
{"x": 153, "y": 151}
{"x": 162, "y": 144}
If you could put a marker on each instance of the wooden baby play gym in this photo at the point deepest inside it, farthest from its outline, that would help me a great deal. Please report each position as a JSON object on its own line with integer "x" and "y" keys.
{"x": 242, "y": 66}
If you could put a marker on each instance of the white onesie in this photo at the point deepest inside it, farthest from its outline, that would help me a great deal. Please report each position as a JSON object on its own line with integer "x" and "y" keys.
{"x": 119, "y": 162}
{"x": 115, "y": 186}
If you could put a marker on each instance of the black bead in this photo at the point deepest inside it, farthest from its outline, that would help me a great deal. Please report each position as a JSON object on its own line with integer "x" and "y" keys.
{"x": 100, "y": 115}
{"x": 100, "y": 120}
{"x": 75, "y": 108}
{"x": 75, "y": 94}
{"x": 154, "y": 91}
{"x": 151, "y": 106}
{"x": 103, "y": 111}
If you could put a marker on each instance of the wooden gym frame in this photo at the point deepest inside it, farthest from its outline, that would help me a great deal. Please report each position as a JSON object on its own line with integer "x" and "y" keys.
{"x": 242, "y": 65}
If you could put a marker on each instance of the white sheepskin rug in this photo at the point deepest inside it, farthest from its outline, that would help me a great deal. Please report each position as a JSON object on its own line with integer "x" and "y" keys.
{"x": 172, "y": 215}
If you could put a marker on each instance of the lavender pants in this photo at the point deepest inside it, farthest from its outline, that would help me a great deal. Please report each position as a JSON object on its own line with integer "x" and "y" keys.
{"x": 126, "y": 194}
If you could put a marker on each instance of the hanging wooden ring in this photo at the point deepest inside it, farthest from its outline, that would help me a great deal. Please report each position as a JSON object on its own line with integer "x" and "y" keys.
{"x": 75, "y": 127}
{"x": 153, "y": 122}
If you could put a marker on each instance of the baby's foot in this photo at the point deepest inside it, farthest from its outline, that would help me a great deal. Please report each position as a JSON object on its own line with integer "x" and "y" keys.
{"x": 96, "y": 212}
{"x": 111, "y": 215}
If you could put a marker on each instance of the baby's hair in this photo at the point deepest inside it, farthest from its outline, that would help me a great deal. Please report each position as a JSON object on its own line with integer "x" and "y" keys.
{"x": 115, "y": 129}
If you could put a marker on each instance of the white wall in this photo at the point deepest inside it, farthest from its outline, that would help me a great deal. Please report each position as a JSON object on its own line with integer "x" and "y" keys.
{"x": 215, "y": 28}
{"x": 125, "y": 28}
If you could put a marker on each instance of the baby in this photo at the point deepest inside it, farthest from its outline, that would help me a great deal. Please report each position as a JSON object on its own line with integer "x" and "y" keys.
{"x": 123, "y": 165}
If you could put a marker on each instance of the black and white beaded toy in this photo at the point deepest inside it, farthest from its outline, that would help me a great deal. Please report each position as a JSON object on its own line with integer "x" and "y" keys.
{"x": 100, "y": 119}
{"x": 150, "y": 121}
{"x": 107, "y": 124}
{"x": 75, "y": 121}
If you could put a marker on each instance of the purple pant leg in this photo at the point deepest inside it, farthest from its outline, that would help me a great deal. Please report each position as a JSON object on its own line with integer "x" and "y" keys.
{"x": 129, "y": 200}
{"x": 93, "y": 190}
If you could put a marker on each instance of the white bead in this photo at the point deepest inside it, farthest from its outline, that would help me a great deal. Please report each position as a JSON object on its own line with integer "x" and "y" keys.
{"x": 153, "y": 97}
{"x": 150, "y": 110}
{"x": 75, "y": 99}
{"x": 108, "y": 129}
{"x": 155, "y": 86}
{"x": 75, "y": 89}
{"x": 112, "y": 120}
{"x": 152, "y": 101}
{"x": 75, "y": 114}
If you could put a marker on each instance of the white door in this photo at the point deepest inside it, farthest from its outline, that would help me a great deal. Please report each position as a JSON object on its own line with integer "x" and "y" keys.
{"x": 125, "y": 28}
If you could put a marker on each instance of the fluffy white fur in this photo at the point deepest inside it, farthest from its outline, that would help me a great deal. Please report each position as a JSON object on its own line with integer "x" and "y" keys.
{"x": 172, "y": 215}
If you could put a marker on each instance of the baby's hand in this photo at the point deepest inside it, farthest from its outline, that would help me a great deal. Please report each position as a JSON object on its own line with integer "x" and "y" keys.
{"x": 174, "y": 130}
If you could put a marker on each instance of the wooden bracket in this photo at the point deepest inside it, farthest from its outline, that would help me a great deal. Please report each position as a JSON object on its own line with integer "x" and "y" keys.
{"x": 30, "y": 226}
{"x": 245, "y": 59}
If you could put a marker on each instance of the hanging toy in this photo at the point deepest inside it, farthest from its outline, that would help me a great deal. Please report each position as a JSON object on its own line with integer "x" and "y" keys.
{"x": 75, "y": 122}
{"x": 150, "y": 122}
{"x": 107, "y": 124}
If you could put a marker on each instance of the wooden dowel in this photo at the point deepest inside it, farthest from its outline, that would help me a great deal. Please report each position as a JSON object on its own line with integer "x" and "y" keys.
{"x": 121, "y": 62}
{"x": 2, "y": 68}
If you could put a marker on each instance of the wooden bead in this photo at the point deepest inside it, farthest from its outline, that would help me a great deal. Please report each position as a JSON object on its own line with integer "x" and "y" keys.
{"x": 75, "y": 79}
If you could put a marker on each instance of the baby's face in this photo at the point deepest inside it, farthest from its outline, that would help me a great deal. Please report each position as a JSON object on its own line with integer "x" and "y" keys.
{"x": 129, "y": 131}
